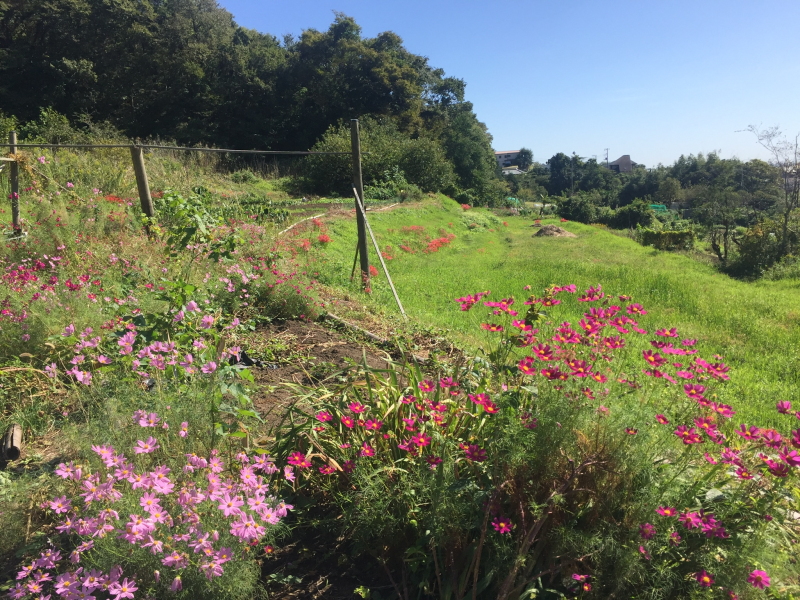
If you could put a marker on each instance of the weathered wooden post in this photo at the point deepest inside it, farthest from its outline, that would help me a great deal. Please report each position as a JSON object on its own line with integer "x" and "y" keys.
{"x": 141, "y": 181}
{"x": 358, "y": 183}
{"x": 14, "y": 179}
{"x": 12, "y": 443}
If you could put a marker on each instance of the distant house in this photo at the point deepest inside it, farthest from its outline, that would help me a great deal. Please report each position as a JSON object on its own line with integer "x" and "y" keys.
{"x": 623, "y": 164}
{"x": 506, "y": 158}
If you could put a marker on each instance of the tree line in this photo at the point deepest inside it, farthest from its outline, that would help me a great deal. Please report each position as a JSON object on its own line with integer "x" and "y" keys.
{"x": 183, "y": 70}
{"x": 749, "y": 211}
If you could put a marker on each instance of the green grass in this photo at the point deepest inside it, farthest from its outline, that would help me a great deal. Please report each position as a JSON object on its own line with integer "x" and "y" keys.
{"x": 754, "y": 326}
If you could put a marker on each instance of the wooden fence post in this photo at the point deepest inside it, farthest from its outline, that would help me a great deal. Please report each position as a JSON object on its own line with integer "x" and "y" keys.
{"x": 14, "y": 179}
{"x": 141, "y": 182}
{"x": 358, "y": 183}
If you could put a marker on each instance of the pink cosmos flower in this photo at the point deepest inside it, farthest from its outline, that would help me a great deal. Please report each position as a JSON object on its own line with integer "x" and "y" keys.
{"x": 502, "y": 525}
{"x": 475, "y": 453}
{"x": 662, "y": 419}
{"x": 356, "y": 407}
{"x": 366, "y": 450}
{"x": 704, "y": 579}
{"x": 373, "y": 425}
{"x": 666, "y": 511}
{"x": 122, "y": 590}
{"x": 146, "y": 447}
{"x": 299, "y": 459}
{"x": 184, "y": 430}
{"x": 209, "y": 367}
{"x": 324, "y": 416}
{"x": 647, "y": 531}
{"x": 426, "y": 385}
{"x": 230, "y": 505}
{"x": 784, "y": 407}
{"x": 60, "y": 505}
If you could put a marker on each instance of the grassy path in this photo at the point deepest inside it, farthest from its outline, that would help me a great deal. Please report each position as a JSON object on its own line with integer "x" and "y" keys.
{"x": 754, "y": 326}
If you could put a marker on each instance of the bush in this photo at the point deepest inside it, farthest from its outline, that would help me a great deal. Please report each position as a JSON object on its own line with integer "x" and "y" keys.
{"x": 578, "y": 208}
{"x": 422, "y": 161}
{"x": 665, "y": 240}
{"x": 393, "y": 185}
{"x": 633, "y": 215}
{"x": 244, "y": 176}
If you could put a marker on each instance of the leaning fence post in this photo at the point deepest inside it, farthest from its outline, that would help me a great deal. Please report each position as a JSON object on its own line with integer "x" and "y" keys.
{"x": 358, "y": 183}
{"x": 14, "y": 179}
{"x": 141, "y": 182}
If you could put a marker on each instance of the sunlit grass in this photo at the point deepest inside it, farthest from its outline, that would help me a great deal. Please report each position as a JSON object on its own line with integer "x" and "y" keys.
{"x": 754, "y": 326}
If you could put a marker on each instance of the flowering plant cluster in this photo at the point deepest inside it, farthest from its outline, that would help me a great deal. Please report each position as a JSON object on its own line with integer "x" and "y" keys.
{"x": 563, "y": 415}
{"x": 145, "y": 521}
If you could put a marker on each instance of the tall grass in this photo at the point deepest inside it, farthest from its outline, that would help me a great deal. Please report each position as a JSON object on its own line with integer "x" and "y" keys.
{"x": 755, "y": 326}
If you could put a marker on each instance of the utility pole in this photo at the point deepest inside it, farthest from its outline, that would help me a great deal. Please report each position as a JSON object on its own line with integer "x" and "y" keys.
{"x": 606, "y": 158}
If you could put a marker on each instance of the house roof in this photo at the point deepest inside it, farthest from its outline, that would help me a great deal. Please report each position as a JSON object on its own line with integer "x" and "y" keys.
{"x": 507, "y": 152}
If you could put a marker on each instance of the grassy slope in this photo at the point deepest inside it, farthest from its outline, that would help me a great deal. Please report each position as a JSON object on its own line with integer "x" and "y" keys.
{"x": 755, "y": 326}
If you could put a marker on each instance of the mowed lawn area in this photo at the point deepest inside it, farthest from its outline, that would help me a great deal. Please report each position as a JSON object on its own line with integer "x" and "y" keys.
{"x": 755, "y": 327}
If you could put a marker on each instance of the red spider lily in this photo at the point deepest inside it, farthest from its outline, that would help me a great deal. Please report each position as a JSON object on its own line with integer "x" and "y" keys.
{"x": 653, "y": 358}
{"x": 324, "y": 238}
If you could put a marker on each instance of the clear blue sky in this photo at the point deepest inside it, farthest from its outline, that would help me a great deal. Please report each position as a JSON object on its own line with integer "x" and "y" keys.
{"x": 653, "y": 79}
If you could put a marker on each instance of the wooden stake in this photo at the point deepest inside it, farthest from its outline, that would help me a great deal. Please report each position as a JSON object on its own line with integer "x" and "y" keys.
{"x": 363, "y": 212}
{"x": 358, "y": 184}
{"x": 14, "y": 179}
{"x": 141, "y": 182}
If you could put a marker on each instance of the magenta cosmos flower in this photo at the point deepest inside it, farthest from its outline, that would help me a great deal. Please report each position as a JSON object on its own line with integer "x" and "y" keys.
{"x": 758, "y": 579}
{"x": 704, "y": 579}
{"x": 502, "y": 525}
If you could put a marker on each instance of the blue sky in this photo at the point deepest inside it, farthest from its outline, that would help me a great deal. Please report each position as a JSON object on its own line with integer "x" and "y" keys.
{"x": 653, "y": 79}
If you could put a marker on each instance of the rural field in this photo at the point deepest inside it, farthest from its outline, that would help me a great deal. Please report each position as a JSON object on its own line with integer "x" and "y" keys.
{"x": 182, "y": 436}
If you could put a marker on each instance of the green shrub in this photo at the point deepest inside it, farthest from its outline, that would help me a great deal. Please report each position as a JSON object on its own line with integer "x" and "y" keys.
{"x": 578, "y": 208}
{"x": 244, "y": 176}
{"x": 633, "y": 215}
{"x": 665, "y": 240}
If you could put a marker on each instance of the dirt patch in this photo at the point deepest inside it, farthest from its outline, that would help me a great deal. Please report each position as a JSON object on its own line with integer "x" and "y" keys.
{"x": 309, "y": 353}
{"x": 553, "y": 231}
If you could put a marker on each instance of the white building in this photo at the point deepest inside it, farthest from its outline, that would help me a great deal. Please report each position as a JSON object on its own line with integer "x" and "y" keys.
{"x": 506, "y": 158}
